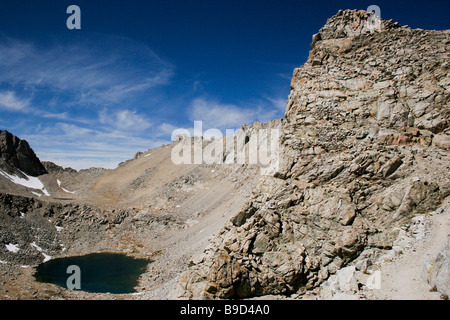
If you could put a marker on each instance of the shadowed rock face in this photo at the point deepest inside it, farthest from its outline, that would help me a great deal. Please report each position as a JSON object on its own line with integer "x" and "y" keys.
{"x": 17, "y": 154}
{"x": 365, "y": 149}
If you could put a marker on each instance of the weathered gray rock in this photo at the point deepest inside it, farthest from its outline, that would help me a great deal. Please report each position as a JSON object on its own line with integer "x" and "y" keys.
{"x": 442, "y": 141}
{"x": 343, "y": 280}
{"x": 359, "y": 159}
{"x": 436, "y": 272}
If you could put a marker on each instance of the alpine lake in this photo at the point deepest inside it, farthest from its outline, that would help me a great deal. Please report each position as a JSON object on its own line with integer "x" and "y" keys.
{"x": 114, "y": 273}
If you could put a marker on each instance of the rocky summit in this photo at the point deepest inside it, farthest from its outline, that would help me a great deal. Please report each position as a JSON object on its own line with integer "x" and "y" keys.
{"x": 360, "y": 177}
{"x": 16, "y": 154}
{"x": 365, "y": 148}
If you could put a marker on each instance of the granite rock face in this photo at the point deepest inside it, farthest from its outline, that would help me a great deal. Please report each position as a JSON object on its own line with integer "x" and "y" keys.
{"x": 364, "y": 150}
{"x": 17, "y": 154}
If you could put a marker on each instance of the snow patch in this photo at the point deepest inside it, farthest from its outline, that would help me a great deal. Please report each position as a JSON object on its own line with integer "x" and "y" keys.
{"x": 33, "y": 244}
{"x": 29, "y": 182}
{"x": 65, "y": 190}
{"x": 12, "y": 248}
{"x": 46, "y": 256}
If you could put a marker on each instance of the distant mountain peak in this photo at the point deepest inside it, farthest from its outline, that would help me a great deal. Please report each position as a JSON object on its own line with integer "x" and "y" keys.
{"x": 16, "y": 154}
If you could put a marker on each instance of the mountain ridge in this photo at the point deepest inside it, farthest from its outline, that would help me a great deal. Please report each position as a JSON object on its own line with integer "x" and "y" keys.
{"x": 364, "y": 151}
{"x": 16, "y": 154}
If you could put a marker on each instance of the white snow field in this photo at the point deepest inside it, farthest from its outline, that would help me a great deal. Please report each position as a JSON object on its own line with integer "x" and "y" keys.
{"x": 29, "y": 182}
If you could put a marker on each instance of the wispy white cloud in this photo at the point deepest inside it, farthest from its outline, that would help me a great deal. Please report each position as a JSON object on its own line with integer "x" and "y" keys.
{"x": 222, "y": 116}
{"x": 82, "y": 99}
{"x": 82, "y": 147}
{"x": 59, "y": 116}
{"x": 278, "y": 103}
{"x": 124, "y": 120}
{"x": 214, "y": 114}
{"x": 9, "y": 101}
{"x": 96, "y": 71}
{"x": 164, "y": 129}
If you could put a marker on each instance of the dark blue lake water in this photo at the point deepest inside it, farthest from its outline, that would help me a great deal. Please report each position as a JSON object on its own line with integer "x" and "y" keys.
{"x": 99, "y": 272}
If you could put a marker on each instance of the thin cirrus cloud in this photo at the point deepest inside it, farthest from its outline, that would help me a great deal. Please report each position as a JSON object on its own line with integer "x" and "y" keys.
{"x": 124, "y": 120}
{"x": 79, "y": 102}
{"x": 222, "y": 116}
{"x": 9, "y": 101}
{"x": 79, "y": 147}
{"x": 98, "y": 72}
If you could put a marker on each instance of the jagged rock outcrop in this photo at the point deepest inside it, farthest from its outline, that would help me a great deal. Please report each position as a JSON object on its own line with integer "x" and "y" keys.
{"x": 17, "y": 154}
{"x": 51, "y": 167}
{"x": 364, "y": 149}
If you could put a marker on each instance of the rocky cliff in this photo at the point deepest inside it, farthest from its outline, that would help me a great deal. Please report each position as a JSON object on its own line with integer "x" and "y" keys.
{"x": 365, "y": 148}
{"x": 17, "y": 154}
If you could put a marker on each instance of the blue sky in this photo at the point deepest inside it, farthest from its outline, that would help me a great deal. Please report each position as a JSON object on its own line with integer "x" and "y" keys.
{"x": 137, "y": 70}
